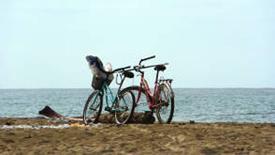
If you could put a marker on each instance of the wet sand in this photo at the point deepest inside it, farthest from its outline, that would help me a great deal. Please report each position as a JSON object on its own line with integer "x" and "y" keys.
{"x": 178, "y": 138}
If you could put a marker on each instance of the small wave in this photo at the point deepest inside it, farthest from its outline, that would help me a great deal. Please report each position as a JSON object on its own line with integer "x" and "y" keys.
{"x": 63, "y": 126}
{"x": 35, "y": 127}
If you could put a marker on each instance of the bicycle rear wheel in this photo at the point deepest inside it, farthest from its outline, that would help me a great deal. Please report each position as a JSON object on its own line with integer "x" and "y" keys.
{"x": 93, "y": 108}
{"x": 165, "y": 103}
{"x": 124, "y": 107}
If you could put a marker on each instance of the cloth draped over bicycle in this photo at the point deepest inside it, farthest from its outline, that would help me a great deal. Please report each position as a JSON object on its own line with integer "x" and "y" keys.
{"x": 97, "y": 70}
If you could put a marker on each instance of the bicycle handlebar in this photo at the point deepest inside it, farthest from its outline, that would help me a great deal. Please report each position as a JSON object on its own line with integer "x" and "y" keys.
{"x": 144, "y": 59}
{"x": 150, "y": 66}
{"x": 139, "y": 67}
{"x": 116, "y": 70}
{"x": 120, "y": 69}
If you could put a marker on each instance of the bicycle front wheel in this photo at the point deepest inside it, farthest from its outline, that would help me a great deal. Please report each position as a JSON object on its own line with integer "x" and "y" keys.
{"x": 165, "y": 103}
{"x": 124, "y": 107}
{"x": 142, "y": 105}
{"x": 93, "y": 108}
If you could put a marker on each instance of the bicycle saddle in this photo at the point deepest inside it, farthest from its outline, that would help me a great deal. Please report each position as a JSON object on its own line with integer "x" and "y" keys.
{"x": 160, "y": 68}
{"x": 128, "y": 74}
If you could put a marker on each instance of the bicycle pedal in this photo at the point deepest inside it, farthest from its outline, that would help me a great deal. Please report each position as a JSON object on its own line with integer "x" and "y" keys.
{"x": 109, "y": 109}
{"x": 112, "y": 111}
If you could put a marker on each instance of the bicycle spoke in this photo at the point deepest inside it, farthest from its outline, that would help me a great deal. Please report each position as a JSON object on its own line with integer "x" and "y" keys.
{"x": 92, "y": 108}
{"x": 124, "y": 103}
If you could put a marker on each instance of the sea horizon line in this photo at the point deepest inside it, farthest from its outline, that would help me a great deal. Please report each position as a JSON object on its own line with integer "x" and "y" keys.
{"x": 151, "y": 88}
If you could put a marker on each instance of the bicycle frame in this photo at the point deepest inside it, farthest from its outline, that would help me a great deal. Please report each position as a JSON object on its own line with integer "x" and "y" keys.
{"x": 150, "y": 97}
{"x": 109, "y": 96}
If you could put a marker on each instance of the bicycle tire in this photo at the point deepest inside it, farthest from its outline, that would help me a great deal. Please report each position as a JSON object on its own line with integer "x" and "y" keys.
{"x": 163, "y": 104}
{"x": 142, "y": 105}
{"x": 97, "y": 111}
{"x": 122, "y": 105}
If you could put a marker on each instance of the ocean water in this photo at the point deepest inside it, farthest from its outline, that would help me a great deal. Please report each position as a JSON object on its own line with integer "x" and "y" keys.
{"x": 201, "y": 105}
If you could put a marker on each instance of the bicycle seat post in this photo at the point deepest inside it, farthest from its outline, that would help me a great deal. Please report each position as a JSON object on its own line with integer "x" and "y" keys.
{"x": 157, "y": 76}
{"x": 121, "y": 83}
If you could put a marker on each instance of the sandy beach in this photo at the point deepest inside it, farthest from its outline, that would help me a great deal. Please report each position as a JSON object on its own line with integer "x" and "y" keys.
{"x": 177, "y": 138}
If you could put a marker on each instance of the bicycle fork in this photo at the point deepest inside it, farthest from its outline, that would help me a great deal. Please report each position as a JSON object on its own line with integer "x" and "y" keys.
{"x": 110, "y": 97}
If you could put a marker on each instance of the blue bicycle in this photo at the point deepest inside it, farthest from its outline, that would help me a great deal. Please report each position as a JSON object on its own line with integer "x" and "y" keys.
{"x": 121, "y": 105}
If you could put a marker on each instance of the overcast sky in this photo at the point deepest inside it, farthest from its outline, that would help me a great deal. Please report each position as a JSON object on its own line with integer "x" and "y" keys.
{"x": 208, "y": 43}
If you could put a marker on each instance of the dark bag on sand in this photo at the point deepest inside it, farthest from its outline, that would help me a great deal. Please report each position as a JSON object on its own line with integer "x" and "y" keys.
{"x": 97, "y": 68}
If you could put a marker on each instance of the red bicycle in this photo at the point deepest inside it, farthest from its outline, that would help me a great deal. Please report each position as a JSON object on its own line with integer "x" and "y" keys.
{"x": 161, "y": 100}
